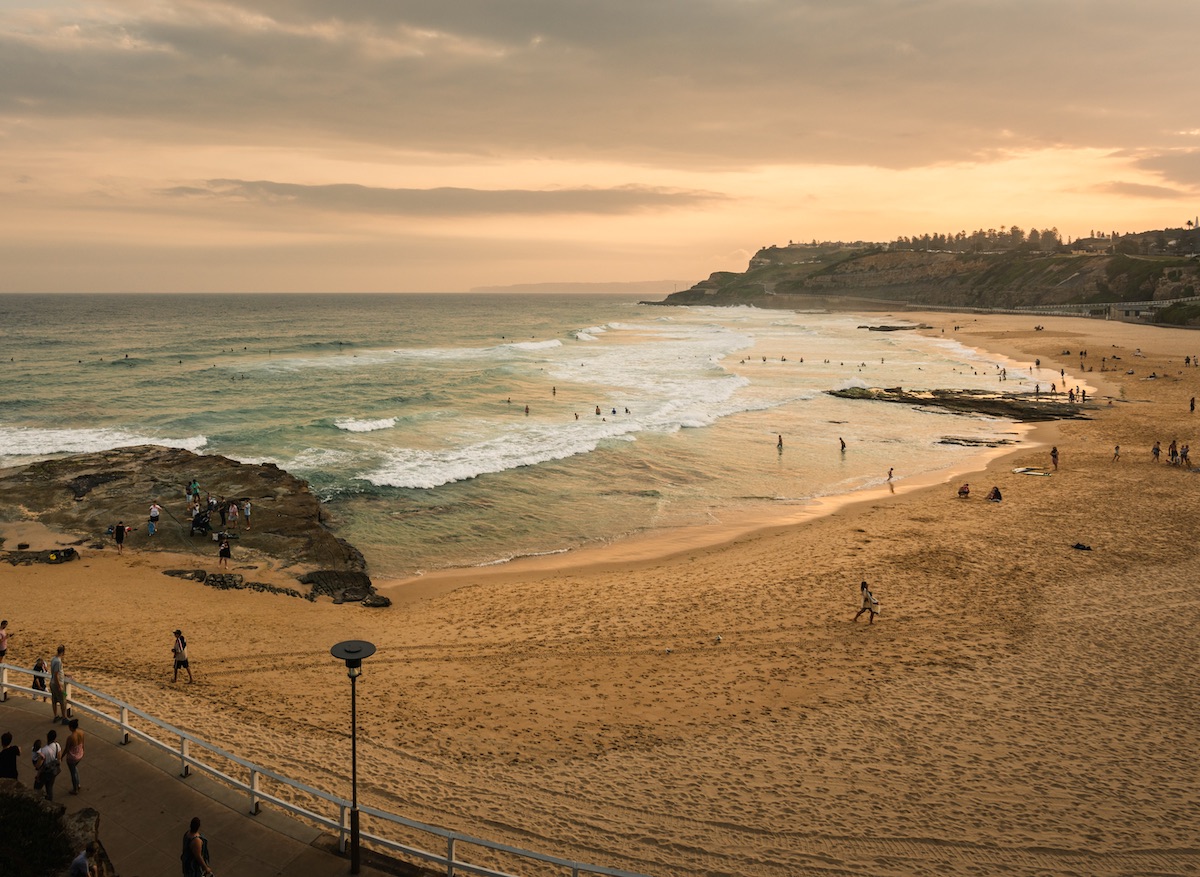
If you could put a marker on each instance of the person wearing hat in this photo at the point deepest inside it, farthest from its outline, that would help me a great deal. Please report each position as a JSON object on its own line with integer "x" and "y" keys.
{"x": 179, "y": 651}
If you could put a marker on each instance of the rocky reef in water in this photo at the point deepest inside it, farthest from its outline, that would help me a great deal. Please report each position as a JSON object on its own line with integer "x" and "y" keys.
{"x": 88, "y": 494}
{"x": 1022, "y": 407}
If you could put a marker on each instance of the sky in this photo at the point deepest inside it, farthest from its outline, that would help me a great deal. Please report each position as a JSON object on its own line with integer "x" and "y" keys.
{"x": 445, "y": 145}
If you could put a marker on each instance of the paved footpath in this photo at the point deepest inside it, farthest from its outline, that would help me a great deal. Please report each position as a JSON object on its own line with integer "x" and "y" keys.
{"x": 145, "y": 807}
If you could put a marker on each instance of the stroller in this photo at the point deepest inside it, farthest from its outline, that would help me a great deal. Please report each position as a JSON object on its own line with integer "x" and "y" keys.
{"x": 200, "y": 524}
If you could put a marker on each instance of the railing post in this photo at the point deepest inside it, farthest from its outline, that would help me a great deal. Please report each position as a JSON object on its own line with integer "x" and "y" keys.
{"x": 344, "y": 821}
{"x": 450, "y": 856}
{"x": 3, "y": 682}
{"x": 124, "y": 725}
{"x": 67, "y": 697}
{"x": 254, "y": 804}
{"x": 186, "y": 768}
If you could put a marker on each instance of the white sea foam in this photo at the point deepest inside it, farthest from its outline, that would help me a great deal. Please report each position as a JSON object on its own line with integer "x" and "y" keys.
{"x": 535, "y": 345}
{"x": 351, "y": 425}
{"x": 21, "y": 443}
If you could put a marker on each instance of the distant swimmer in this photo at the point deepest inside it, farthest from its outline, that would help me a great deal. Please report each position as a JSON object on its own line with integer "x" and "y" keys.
{"x": 526, "y": 410}
{"x": 842, "y": 442}
{"x": 597, "y": 409}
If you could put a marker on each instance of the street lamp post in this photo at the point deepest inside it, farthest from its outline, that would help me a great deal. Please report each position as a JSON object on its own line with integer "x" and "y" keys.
{"x": 353, "y": 652}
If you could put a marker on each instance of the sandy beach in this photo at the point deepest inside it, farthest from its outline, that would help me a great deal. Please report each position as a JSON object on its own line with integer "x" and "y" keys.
{"x": 703, "y": 703}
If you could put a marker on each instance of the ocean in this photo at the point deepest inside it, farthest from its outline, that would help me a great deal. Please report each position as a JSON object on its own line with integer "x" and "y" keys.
{"x": 469, "y": 430}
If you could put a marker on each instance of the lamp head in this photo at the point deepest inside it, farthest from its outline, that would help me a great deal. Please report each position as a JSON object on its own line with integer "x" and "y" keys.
{"x": 353, "y": 651}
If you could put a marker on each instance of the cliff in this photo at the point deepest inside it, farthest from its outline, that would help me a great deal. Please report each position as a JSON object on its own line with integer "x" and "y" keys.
{"x": 815, "y": 276}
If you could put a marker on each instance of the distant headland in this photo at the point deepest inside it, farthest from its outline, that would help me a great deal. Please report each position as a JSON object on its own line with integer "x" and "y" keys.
{"x": 1152, "y": 276}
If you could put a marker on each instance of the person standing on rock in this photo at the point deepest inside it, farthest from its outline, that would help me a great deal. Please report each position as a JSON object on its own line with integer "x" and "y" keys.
{"x": 246, "y": 511}
{"x": 223, "y": 554}
{"x": 179, "y": 652}
{"x": 155, "y": 512}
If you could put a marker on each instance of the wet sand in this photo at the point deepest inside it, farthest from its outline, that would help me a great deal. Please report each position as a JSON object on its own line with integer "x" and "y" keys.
{"x": 1020, "y": 706}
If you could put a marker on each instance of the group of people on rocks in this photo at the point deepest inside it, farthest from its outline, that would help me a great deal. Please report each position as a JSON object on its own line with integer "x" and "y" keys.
{"x": 199, "y": 513}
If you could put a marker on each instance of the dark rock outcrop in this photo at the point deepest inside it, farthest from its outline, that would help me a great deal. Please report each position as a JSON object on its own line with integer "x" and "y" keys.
{"x": 1023, "y": 407}
{"x": 86, "y": 494}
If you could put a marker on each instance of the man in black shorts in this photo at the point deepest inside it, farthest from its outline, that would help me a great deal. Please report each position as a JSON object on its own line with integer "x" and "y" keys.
{"x": 179, "y": 651}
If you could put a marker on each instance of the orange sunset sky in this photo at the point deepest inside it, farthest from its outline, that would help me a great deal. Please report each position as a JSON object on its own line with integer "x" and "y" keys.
{"x": 388, "y": 145}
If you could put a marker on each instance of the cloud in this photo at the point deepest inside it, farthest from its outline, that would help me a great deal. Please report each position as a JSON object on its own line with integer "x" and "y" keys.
{"x": 1138, "y": 190}
{"x": 445, "y": 201}
{"x": 700, "y": 83}
{"x": 1180, "y": 166}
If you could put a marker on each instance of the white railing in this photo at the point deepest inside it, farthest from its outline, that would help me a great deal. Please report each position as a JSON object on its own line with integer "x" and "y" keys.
{"x": 185, "y": 749}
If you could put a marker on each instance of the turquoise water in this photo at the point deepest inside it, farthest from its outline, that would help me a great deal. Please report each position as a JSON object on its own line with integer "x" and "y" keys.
{"x": 407, "y": 413}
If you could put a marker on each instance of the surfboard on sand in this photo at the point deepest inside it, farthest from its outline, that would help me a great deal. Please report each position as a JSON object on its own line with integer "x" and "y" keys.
{"x": 1029, "y": 470}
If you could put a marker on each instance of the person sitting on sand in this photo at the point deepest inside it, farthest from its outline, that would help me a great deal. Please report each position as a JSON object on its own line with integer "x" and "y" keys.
{"x": 869, "y": 603}
{"x": 994, "y": 495}
{"x": 965, "y": 491}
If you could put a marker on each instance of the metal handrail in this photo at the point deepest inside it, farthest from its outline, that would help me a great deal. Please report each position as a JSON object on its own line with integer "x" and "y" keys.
{"x": 256, "y": 773}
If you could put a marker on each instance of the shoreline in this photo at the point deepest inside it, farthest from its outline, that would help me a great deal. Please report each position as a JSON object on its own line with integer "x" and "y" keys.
{"x": 663, "y": 546}
{"x": 638, "y": 551}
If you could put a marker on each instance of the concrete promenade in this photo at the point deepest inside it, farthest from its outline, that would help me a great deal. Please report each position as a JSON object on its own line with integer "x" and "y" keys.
{"x": 145, "y": 807}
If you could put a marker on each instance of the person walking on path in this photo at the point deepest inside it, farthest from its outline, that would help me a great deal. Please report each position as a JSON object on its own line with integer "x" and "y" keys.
{"x": 869, "y": 603}
{"x": 58, "y": 687}
{"x": 74, "y": 753}
{"x": 46, "y": 760}
{"x": 9, "y": 754}
{"x": 195, "y": 852}
{"x": 179, "y": 651}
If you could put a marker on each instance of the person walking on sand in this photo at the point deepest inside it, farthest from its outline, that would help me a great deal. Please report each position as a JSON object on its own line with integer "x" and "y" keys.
{"x": 4, "y": 635}
{"x": 869, "y": 603}
{"x": 779, "y": 444}
{"x": 1156, "y": 452}
{"x": 195, "y": 852}
{"x": 842, "y": 442}
{"x": 179, "y": 653}
{"x": 119, "y": 536}
{"x": 58, "y": 687}
{"x": 74, "y": 753}
{"x": 223, "y": 554}
{"x": 1054, "y": 456}
{"x": 1116, "y": 453}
